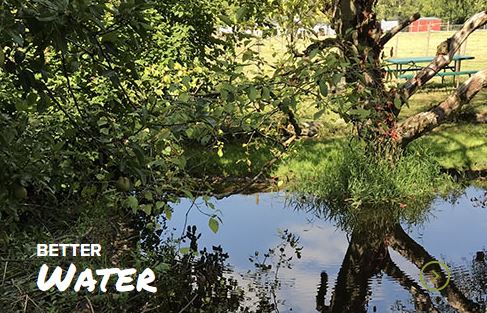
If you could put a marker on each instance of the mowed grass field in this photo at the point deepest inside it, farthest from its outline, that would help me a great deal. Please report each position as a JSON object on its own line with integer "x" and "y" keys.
{"x": 408, "y": 44}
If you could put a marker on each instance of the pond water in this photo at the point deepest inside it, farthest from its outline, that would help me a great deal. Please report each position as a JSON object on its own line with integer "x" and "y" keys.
{"x": 373, "y": 267}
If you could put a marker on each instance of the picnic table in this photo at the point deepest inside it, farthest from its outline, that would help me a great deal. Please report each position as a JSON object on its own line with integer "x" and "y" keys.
{"x": 412, "y": 64}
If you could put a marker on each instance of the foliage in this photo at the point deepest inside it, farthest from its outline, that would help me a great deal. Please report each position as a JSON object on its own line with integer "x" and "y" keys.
{"x": 268, "y": 266}
{"x": 98, "y": 101}
{"x": 454, "y": 11}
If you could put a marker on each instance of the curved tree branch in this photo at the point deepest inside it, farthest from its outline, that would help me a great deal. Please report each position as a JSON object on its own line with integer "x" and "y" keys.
{"x": 321, "y": 45}
{"x": 393, "y": 32}
{"x": 424, "y": 122}
{"x": 444, "y": 58}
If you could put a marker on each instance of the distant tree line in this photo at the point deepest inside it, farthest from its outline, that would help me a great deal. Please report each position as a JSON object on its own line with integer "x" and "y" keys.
{"x": 453, "y": 11}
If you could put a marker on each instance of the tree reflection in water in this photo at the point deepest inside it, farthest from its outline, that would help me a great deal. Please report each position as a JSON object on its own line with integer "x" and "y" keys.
{"x": 374, "y": 232}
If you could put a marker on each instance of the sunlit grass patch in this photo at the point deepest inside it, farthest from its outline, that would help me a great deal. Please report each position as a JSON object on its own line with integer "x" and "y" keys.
{"x": 459, "y": 146}
{"x": 340, "y": 172}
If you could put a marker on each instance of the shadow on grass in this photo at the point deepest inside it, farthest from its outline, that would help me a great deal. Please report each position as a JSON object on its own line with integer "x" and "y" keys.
{"x": 460, "y": 146}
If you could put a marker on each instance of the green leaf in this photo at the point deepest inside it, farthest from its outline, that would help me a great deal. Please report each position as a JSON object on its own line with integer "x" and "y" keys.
{"x": 323, "y": 88}
{"x": 318, "y": 114}
{"x": 184, "y": 250}
{"x": 397, "y": 102}
{"x": 213, "y": 224}
{"x": 16, "y": 37}
{"x": 147, "y": 208}
{"x": 168, "y": 212}
{"x": 102, "y": 121}
{"x": 184, "y": 97}
{"x": 31, "y": 99}
{"x": 247, "y": 55}
{"x": 148, "y": 195}
{"x": 241, "y": 13}
{"x": 225, "y": 19}
{"x": 44, "y": 103}
{"x": 266, "y": 93}
{"x": 313, "y": 53}
{"x": 360, "y": 113}
{"x": 132, "y": 202}
{"x": 253, "y": 93}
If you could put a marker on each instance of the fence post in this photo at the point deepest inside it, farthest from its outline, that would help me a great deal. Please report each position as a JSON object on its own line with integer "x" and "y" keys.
{"x": 464, "y": 46}
{"x": 396, "y": 49}
{"x": 428, "y": 40}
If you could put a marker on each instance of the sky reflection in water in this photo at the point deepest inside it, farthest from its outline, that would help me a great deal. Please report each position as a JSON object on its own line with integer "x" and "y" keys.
{"x": 453, "y": 233}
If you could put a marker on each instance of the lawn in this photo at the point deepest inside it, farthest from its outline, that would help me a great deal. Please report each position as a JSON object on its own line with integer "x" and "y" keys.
{"x": 408, "y": 44}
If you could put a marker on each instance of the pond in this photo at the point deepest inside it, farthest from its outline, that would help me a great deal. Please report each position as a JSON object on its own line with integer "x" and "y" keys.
{"x": 368, "y": 267}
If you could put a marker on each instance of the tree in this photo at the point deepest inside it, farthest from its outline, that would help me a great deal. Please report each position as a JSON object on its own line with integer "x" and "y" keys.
{"x": 98, "y": 102}
{"x": 371, "y": 106}
{"x": 397, "y": 9}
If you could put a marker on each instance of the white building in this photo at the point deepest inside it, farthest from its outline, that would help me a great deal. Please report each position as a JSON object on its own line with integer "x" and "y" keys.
{"x": 388, "y": 25}
{"x": 324, "y": 30}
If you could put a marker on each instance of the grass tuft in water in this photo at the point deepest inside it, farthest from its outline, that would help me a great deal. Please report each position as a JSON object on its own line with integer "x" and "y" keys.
{"x": 347, "y": 175}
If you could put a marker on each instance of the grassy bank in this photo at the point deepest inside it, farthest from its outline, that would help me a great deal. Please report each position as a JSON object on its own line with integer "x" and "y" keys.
{"x": 458, "y": 145}
{"x": 315, "y": 164}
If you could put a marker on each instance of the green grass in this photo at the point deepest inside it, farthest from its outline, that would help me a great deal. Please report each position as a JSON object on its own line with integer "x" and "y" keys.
{"x": 416, "y": 44}
{"x": 459, "y": 146}
{"x": 341, "y": 172}
{"x": 456, "y": 145}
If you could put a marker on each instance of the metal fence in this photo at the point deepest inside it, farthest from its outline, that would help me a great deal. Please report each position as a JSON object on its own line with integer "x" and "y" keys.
{"x": 447, "y": 27}
{"x": 408, "y": 43}
{"x": 404, "y": 44}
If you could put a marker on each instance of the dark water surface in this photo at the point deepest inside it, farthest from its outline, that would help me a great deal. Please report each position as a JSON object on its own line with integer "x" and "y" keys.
{"x": 370, "y": 269}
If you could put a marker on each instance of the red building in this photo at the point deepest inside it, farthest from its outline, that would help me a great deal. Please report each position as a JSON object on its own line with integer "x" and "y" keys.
{"x": 425, "y": 24}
